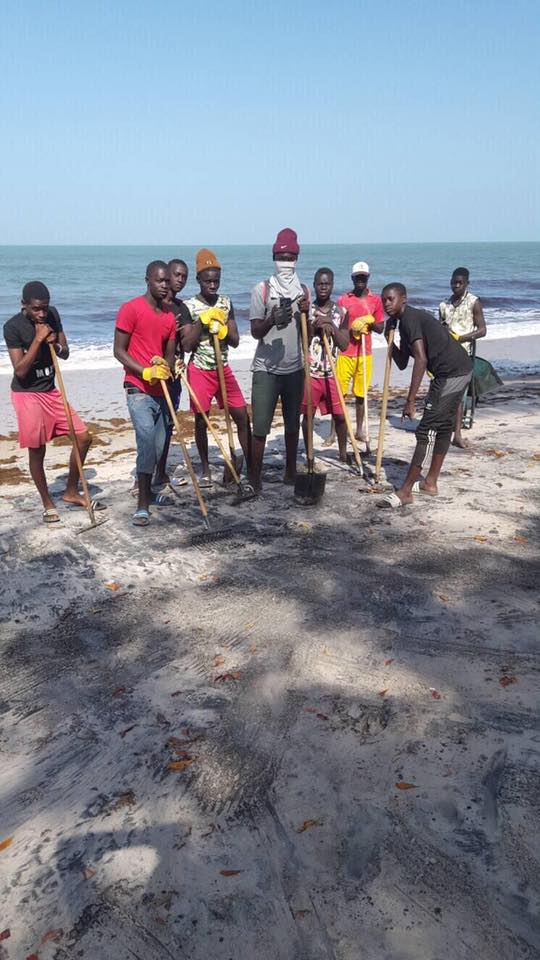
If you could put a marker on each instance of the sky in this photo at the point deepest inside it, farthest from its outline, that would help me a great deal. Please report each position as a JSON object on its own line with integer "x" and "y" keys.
{"x": 351, "y": 121}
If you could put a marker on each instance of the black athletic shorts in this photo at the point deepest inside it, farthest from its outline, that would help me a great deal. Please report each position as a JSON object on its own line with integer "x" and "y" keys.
{"x": 266, "y": 390}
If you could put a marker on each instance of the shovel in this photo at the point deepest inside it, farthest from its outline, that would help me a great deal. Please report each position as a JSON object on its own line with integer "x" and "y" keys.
{"x": 237, "y": 459}
{"x": 244, "y": 491}
{"x": 384, "y": 405}
{"x": 94, "y": 522}
{"x": 366, "y": 416}
{"x": 308, "y": 487}
{"x": 346, "y": 414}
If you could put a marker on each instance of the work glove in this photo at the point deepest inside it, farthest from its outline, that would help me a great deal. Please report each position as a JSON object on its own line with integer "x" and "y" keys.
{"x": 361, "y": 325}
{"x": 218, "y": 329}
{"x": 156, "y": 372}
{"x": 213, "y": 314}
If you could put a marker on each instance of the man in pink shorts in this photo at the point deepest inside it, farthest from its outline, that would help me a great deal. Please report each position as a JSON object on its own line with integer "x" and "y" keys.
{"x": 38, "y": 404}
{"x": 326, "y": 317}
{"x": 202, "y": 372}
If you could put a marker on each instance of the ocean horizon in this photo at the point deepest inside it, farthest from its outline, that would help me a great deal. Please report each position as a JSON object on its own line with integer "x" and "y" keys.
{"x": 88, "y": 283}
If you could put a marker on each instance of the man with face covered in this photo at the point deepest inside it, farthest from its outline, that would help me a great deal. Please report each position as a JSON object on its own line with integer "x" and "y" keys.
{"x": 145, "y": 329}
{"x": 278, "y": 365}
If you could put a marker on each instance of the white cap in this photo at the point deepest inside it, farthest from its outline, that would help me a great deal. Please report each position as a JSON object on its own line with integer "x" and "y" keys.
{"x": 360, "y": 267}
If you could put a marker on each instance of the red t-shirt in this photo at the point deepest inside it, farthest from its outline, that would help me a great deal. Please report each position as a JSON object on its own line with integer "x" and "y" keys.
{"x": 149, "y": 334}
{"x": 356, "y": 307}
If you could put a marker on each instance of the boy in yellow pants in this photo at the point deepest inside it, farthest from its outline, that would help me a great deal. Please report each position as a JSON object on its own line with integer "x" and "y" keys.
{"x": 366, "y": 313}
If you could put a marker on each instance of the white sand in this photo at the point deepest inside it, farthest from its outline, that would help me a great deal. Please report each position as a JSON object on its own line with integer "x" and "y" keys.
{"x": 305, "y": 668}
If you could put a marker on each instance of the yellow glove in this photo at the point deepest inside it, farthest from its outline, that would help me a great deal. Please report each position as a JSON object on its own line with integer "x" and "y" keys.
{"x": 211, "y": 315}
{"x": 361, "y": 325}
{"x": 455, "y": 336}
{"x": 155, "y": 373}
{"x": 218, "y": 329}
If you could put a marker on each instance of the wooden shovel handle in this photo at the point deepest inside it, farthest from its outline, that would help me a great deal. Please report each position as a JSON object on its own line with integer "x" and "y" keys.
{"x": 185, "y": 454}
{"x": 346, "y": 414}
{"x": 384, "y": 404}
{"x": 72, "y": 434}
{"x": 215, "y": 435}
{"x": 309, "y": 395}
{"x": 223, "y": 388}
{"x": 364, "y": 374}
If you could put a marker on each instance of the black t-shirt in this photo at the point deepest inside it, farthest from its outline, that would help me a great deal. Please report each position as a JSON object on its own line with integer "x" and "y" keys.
{"x": 182, "y": 317}
{"x": 20, "y": 332}
{"x": 445, "y": 356}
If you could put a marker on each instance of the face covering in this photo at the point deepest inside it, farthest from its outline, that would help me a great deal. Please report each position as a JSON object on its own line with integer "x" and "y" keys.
{"x": 285, "y": 282}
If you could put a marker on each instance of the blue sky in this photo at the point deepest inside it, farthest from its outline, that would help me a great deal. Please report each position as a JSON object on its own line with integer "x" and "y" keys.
{"x": 133, "y": 122}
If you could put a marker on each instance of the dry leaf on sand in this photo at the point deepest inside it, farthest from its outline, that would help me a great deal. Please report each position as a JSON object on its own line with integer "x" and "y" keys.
{"x": 4, "y": 844}
{"x": 53, "y": 935}
{"x": 307, "y": 824}
{"x": 402, "y": 785}
{"x": 181, "y": 764}
{"x": 506, "y": 681}
{"x": 230, "y": 873}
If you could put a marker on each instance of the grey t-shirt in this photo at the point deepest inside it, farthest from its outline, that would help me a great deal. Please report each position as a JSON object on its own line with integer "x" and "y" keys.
{"x": 280, "y": 351}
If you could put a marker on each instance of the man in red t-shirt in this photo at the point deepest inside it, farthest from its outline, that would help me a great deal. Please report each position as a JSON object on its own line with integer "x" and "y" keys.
{"x": 366, "y": 313}
{"x": 145, "y": 328}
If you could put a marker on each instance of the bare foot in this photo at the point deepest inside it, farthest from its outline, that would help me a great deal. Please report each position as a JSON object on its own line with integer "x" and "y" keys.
{"x": 329, "y": 442}
{"x": 75, "y": 498}
{"x": 429, "y": 489}
{"x": 460, "y": 442}
{"x": 360, "y": 436}
{"x": 405, "y": 498}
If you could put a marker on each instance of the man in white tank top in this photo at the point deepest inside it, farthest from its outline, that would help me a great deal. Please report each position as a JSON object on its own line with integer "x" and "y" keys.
{"x": 462, "y": 313}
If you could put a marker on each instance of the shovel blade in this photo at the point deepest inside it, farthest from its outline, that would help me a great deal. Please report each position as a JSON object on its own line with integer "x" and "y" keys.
{"x": 309, "y": 488}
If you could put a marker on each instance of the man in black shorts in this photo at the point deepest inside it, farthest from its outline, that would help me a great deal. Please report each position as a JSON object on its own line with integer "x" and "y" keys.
{"x": 278, "y": 364}
{"x": 433, "y": 349}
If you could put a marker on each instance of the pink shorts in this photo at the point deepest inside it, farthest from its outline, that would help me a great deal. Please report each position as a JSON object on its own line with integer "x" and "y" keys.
{"x": 325, "y": 396}
{"x": 41, "y": 416}
{"x": 205, "y": 384}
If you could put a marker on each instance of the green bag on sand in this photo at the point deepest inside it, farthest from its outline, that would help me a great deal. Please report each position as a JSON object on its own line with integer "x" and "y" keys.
{"x": 485, "y": 378}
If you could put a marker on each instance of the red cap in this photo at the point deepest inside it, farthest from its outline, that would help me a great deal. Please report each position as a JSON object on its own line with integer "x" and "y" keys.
{"x": 286, "y": 242}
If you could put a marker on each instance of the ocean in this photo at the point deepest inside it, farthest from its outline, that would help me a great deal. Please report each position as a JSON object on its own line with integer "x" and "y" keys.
{"x": 88, "y": 284}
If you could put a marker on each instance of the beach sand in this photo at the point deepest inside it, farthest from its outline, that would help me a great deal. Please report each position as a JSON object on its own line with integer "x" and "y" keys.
{"x": 316, "y": 739}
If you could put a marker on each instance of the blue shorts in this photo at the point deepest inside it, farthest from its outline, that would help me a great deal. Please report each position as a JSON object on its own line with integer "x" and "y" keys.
{"x": 150, "y": 418}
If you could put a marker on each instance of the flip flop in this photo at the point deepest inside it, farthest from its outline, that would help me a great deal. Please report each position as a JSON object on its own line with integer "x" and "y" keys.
{"x": 391, "y": 502}
{"x": 416, "y": 488}
{"x": 162, "y": 500}
{"x": 97, "y": 505}
{"x": 205, "y": 481}
{"x": 179, "y": 482}
{"x": 141, "y": 518}
{"x": 51, "y": 516}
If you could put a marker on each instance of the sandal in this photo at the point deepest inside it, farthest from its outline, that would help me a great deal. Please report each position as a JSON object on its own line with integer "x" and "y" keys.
{"x": 391, "y": 502}
{"x": 141, "y": 518}
{"x": 97, "y": 506}
{"x": 206, "y": 481}
{"x": 162, "y": 500}
{"x": 416, "y": 488}
{"x": 51, "y": 515}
